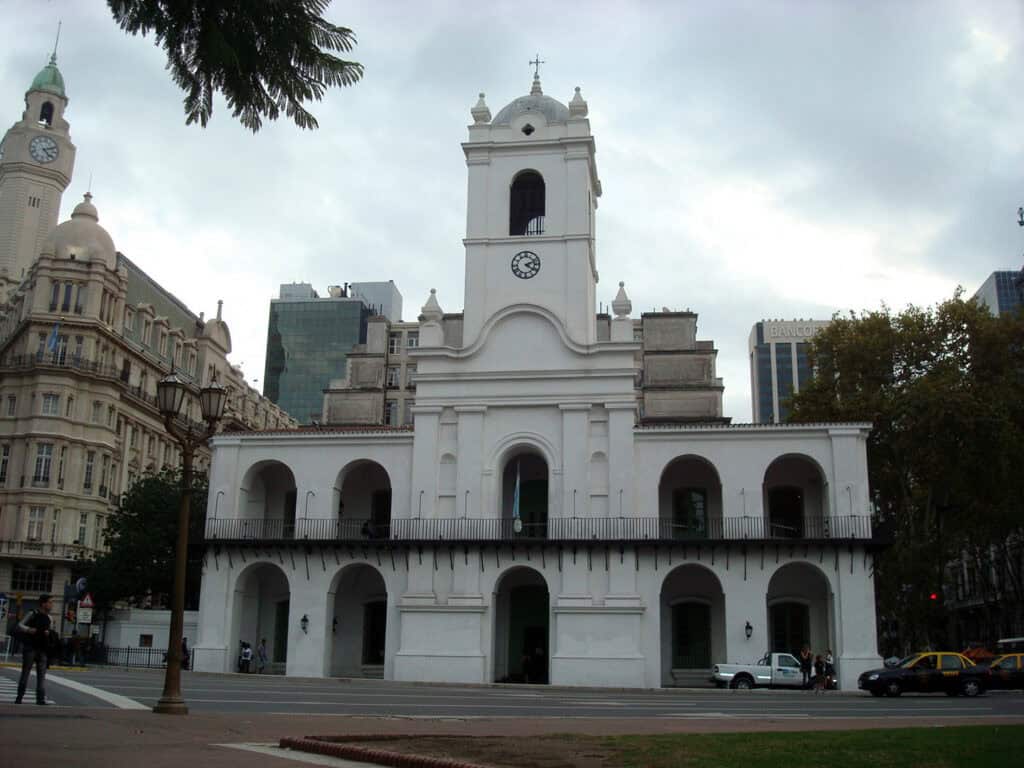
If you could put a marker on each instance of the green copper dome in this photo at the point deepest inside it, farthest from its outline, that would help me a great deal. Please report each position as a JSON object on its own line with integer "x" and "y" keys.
{"x": 49, "y": 79}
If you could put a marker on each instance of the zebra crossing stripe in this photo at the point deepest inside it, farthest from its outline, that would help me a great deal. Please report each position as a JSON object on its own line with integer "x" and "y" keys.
{"x": 9, "y": 689}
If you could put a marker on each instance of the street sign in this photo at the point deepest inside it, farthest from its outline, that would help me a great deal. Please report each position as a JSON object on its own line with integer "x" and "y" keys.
{"x": 85, "y": 602}
{"x": 84, "y": 615}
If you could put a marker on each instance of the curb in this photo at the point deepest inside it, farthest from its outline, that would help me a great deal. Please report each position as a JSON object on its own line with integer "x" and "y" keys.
{"x": 58, "y": 667}
{"x": 376, "y": 756}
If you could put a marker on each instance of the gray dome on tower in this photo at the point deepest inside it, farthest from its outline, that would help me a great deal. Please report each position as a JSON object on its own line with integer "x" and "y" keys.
{"x": 553, "y": 110}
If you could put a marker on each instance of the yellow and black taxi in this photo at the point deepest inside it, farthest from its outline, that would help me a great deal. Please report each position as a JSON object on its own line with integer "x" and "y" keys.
{"x": 929, "y": 672}
{"x": 1003, "y": 673}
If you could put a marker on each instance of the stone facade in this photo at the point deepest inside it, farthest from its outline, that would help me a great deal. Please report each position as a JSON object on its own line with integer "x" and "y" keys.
{"x": 85, "y": 335}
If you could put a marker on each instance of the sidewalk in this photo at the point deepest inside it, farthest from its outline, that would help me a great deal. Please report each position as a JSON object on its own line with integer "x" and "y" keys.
{"x": 60, "y": 737}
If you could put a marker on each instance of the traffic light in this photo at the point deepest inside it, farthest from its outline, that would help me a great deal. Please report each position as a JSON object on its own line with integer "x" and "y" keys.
{"x": 933, "y": 596}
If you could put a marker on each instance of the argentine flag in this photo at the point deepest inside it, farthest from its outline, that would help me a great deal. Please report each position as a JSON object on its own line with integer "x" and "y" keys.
{"x": 517, "y": 523}
{"x": 51, "y": 343}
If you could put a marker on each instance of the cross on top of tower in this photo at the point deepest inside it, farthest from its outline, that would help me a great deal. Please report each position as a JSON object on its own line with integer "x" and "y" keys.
{"x": 536, "y": 66}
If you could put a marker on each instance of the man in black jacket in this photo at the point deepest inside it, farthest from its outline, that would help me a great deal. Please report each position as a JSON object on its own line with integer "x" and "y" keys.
{"x": 35, "y": 634}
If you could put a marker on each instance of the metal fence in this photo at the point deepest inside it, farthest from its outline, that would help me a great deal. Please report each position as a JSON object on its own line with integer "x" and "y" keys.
{"x": 555, "y": 528}
{"x": 138, "y": 658}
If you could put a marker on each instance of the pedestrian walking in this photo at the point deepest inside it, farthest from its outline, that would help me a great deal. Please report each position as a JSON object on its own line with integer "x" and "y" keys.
{"x": 806, "y": 663}
{"x": 36, "y": 638}
{"x": 261, "y": 656}
{"x": 830, "y": 670}
{"x": 246, "y": 657}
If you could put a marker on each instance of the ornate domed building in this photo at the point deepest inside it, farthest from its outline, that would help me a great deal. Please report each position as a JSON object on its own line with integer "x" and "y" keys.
{"x": 85, "y": 334}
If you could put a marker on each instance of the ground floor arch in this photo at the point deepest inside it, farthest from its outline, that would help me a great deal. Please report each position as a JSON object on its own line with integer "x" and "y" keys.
{"x": 800, "y": 610}
{"x": 357, "y": 608}
{"x": 692, "y": 620}
{"x": 522, "y": 627}
{"x": 261, "y": 607}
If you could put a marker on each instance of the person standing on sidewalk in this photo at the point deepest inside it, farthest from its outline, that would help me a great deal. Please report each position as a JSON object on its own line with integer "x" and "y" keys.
{"x": 35, "y": 632}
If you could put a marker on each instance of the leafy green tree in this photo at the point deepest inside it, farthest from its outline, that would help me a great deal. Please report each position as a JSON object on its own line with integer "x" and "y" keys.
{"x": 141, "y": 536}
{"x": 264, "y": 56}
{"x": 944, "y": 390}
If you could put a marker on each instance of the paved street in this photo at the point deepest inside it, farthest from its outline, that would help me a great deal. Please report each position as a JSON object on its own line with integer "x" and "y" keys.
{"x": 278, "y": 695}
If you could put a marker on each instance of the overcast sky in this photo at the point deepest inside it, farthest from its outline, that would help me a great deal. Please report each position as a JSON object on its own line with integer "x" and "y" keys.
{"x": 759, "y": 159}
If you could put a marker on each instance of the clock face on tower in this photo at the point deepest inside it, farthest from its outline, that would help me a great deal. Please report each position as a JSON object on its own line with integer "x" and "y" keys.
{"x": 525, "y": 264}
{"x": 43, "y": 149}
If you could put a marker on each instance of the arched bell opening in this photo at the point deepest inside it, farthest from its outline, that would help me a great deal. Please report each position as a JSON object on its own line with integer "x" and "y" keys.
{"x": 526, "y": 204}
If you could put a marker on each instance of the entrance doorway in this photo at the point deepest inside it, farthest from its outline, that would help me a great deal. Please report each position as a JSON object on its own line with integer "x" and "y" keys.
{"x": 691, "y": 636}
{"x": 791, "y": 627}
{"x": 522, "y": 624}
{"x": 357, "y": 623}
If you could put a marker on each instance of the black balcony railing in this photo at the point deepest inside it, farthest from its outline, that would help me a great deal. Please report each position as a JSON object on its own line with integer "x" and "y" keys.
{"x": 556, "y": 528}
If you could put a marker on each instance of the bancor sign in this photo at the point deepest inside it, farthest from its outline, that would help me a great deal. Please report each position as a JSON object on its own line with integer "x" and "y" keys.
{"x": 797, "y": 329}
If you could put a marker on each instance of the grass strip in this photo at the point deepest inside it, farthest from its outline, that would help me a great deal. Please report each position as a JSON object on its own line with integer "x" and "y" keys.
{"x": 995, "y": 746}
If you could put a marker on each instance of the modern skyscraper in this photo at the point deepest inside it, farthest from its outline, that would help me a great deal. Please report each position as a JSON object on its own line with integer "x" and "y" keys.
{"x": 308, "y": 342}
{"x": 778, "y": 365}
{"x": 999, "y": 293}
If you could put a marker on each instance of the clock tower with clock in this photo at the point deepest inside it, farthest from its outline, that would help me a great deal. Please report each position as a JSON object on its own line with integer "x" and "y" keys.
{"x": 37, "y": 159}
{"x": 533, "y": 190}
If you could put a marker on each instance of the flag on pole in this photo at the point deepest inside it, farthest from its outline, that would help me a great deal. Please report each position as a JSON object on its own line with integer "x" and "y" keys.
{"x": 517, "y": 524}
{"x": 51, "y": 342}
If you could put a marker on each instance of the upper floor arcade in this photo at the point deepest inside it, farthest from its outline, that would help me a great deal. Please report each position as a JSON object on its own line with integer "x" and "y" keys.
{"x": 686, "y": 485}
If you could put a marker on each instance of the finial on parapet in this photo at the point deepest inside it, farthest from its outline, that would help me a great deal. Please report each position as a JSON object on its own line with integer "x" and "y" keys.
{"x": 432, "y": 311}
{"x": 480, "y": 112}
{"x": 578, "y": 105}
{"x": 622, "y": 306}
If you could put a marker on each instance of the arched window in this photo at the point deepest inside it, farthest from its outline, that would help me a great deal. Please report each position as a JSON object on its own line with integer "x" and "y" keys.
{"x": 526, "y": 207}
{"x": 46, "y": 113}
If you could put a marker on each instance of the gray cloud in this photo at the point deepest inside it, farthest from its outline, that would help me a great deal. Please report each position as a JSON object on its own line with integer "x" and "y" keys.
{"x": 778, "y": 159}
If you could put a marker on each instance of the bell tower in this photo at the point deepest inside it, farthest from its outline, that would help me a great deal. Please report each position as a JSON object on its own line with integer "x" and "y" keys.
{"x": 533, "y": 190}
{"x": 37, "y": 159}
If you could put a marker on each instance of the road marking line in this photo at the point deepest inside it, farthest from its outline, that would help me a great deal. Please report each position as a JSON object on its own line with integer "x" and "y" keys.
{"x": 299, "y": 757}
{"x": 121, "y": 702}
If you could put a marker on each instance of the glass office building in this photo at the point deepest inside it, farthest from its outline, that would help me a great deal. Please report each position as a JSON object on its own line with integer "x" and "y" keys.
{"x": 999, "y": 292}
{"x": 779, "y": 365}
{"x": 308, "y": 342}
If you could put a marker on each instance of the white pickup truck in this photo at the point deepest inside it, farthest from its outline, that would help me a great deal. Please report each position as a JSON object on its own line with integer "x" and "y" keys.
{"x": 774, "y": 669}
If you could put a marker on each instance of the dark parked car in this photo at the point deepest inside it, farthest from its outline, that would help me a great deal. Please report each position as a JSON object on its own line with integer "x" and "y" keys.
{"x": 921, "y": 673}
{"x": 1004, "y": 673}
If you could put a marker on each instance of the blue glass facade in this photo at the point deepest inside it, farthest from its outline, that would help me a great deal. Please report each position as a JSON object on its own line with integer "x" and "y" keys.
{"x": 784, "y": 376}
{"x": 803, "y": 365}
{"x": 308, "y": 342}
{"x": 766, "y": 412}
{"x": 999, "y": 292}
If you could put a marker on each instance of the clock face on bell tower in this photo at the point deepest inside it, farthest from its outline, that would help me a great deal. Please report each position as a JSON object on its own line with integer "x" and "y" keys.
{"x": 525, "y": 264}
{"x": 37, "y": 160}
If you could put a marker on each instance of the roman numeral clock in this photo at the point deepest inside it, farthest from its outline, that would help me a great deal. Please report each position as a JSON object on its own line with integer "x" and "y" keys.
{"x": 525, "y": 264}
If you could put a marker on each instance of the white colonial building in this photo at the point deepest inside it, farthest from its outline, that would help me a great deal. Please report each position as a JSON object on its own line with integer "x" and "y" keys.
{"x": 528, "y": 525}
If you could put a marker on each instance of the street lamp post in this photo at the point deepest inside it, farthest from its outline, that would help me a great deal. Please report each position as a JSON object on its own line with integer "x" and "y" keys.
{"x": 170, "y": 395}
